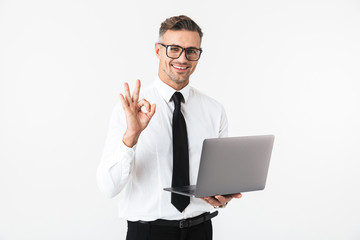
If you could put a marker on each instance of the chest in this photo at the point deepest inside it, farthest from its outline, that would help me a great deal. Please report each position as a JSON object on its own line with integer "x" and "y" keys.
{"x": 201, "y": 123}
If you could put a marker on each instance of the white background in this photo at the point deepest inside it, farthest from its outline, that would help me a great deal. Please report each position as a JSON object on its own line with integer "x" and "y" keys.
{"x": 290, "y": 68}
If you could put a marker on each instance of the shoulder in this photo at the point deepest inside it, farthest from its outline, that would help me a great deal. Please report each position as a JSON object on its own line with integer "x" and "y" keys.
{"x": 204, "y": 99}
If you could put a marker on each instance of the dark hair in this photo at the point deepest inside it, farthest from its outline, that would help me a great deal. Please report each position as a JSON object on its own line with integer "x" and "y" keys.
{"x": 179, "y": 23}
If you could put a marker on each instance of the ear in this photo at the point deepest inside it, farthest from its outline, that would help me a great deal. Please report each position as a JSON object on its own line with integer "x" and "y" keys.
{"x": 157, "y": 50}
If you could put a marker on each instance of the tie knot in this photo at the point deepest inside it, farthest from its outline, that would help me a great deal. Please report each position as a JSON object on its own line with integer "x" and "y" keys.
{"x": 177, "y": 97}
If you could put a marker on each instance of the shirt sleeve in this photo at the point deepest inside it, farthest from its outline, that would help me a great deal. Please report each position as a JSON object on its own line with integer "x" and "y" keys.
{"x": 117, "y": 159}
{"x": 223, "y": 131}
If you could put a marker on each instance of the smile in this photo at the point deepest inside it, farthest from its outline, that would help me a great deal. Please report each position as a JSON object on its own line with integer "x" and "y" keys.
{"x": 179, "y": 67}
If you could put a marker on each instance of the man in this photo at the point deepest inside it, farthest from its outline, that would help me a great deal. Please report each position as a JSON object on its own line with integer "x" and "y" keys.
{"x": 156, "y": 142}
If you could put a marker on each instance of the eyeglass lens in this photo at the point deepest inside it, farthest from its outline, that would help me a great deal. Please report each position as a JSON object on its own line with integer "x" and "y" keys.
{"x": 192, "y": 54}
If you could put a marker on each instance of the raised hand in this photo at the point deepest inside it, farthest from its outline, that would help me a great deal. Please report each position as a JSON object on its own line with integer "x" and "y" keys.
{"x": 136, "y": 119}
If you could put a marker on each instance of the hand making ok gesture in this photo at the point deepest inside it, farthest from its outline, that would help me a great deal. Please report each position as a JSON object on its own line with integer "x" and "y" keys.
{"x": 136, "y": 119}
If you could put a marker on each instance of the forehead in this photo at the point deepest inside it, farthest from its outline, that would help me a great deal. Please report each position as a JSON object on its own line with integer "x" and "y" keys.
{"x": 183, "y": 38}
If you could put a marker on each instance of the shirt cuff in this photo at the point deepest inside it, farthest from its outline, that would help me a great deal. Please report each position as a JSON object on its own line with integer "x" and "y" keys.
{"x": 123, "y": 154}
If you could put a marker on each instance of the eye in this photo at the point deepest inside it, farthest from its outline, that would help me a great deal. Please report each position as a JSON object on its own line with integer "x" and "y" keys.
{"x": 192, "y": 51}
{"x": 174, "y": 48}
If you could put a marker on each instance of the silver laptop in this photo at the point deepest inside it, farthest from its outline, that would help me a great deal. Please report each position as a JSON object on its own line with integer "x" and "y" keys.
{"x": 231, "y": 165}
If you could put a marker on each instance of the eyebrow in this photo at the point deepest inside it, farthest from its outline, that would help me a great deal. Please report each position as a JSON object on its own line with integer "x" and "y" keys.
{"x": 182, "y": 46}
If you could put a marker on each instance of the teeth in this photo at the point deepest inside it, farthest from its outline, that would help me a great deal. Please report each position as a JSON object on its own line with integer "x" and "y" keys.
{"x": 179, "y": 67}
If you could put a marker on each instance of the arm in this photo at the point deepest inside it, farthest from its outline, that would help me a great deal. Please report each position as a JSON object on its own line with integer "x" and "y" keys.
{"x": 126, "y": 124}
{"x": 223, "y": 131}
{"x": 117, "y": 159}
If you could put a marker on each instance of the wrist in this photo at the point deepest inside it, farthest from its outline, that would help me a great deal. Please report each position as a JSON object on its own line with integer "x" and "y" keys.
{"x": 130, "y": 139}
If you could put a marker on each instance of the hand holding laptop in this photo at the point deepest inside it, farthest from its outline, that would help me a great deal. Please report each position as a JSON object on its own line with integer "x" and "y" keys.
{"x": 229, "y": 167}
{"x": 219, "y": 200}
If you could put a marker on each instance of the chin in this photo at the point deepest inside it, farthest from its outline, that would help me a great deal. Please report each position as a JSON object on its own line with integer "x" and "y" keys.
{"x": 179, "y": 78}
{"x": 179, "y": 81}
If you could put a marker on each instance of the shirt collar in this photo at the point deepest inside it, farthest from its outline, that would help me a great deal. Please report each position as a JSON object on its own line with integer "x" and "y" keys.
{"x": 166, "y": 91}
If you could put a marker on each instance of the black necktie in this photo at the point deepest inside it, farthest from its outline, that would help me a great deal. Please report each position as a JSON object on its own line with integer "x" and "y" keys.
{"x": 180, "y": 175}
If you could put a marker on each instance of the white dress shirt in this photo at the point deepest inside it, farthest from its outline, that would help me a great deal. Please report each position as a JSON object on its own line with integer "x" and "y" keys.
{"x": 140, "y": 173}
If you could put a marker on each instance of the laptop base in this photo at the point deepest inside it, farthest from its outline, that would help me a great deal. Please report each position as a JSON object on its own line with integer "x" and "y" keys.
{"x": 183, "y": 190}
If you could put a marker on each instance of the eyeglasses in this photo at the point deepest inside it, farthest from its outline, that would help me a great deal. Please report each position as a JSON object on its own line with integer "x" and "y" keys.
{"x": 175, "y": 51}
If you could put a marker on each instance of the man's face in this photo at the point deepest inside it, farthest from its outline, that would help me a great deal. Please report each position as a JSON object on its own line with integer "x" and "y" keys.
{"x": 176, "y": 72}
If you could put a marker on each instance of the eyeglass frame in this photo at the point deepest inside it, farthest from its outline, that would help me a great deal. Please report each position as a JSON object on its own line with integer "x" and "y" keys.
{"x": 182, "y": 50}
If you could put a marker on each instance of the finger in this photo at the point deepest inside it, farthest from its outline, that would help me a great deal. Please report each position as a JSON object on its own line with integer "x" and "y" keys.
{"x": 212, "y": 201}
{"x": 135, "y": 96}
{"x": 223, "y": 200}
{"x": 152, "y": 110}
{"x": 144, "y": 102}
{"x": 237, "y": 195}
{"x": 127, "y": 93}
{"x": 206, "y": 199}
{"x": 124, "y": 104}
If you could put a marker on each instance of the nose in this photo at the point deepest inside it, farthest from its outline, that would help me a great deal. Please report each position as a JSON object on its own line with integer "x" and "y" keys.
{"x": 182, "y": 57}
